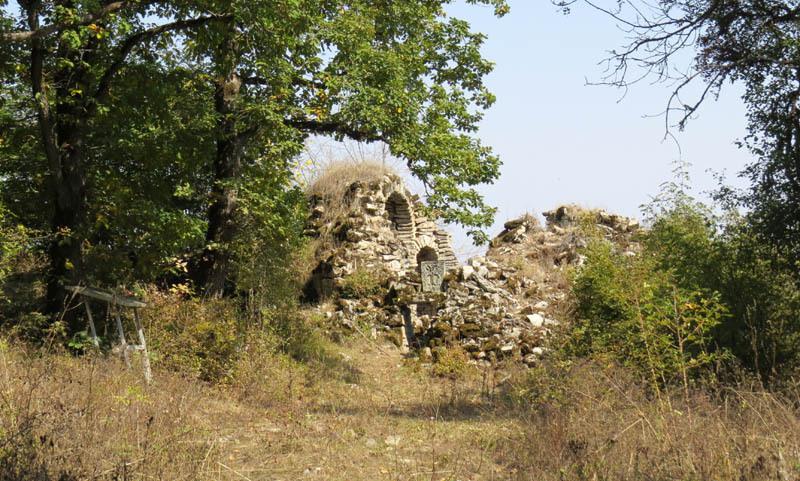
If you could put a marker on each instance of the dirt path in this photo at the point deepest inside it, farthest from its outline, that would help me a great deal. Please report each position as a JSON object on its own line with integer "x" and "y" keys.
{"x": 397, "y": 422}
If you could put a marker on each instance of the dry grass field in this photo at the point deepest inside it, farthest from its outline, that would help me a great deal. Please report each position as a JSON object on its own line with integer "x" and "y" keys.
{"x": 376, "y": 415}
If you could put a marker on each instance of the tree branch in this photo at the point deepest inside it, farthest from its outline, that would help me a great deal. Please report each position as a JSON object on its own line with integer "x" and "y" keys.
{"x": 134, "y": 40}
{"x": 89, "y": 18}
{"x": 327, "y": 128}
{"x": 44, "y": 112}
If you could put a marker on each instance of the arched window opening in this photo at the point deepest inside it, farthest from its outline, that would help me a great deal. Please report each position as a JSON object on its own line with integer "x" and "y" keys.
{"x": 399, "y": 215}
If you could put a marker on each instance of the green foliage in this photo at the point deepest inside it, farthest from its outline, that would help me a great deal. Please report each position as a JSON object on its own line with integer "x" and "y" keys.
{"x": 267, "y": 250}
{"x": 195, "y": 337}
{"x": 298, "y": 335}
{"x": 21, "y": 279}
{"x": 450, "y": 362}
{"x": 13, "y": 240}
{"x": 184, "y": 134}
{"x": 214, "y": 339}
{"x": 363, "y": 283}
{"x": 761, "y": 291}
{"x": 641, "y": 316}
{"x": 703, "y": 289}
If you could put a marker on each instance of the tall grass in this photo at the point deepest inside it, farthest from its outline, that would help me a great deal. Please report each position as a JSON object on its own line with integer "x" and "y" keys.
{"x": 594, "y": 421}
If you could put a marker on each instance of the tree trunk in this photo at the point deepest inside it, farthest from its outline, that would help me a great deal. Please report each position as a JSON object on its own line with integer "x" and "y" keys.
{"x": 62, "y": 135}
{"x": 69, "y": 205}
{"x": 213, "y": 270}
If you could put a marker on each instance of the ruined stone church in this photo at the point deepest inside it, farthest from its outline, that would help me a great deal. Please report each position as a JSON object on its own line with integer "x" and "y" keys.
{"x": 371, "y": 233}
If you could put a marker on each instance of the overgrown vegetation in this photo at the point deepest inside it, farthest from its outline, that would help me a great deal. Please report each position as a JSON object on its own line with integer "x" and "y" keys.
{"x": 703, "y": 296}
{"x": 587, "y": 420}
{"x": 156, "y": 142}
{"x": 364, "y": 283}
{"x": 158, "y": 139}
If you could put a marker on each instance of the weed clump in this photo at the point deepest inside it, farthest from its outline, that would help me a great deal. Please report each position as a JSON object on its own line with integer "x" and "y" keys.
{"x": 364, "y": 283}
{"x": 450, "y": 362}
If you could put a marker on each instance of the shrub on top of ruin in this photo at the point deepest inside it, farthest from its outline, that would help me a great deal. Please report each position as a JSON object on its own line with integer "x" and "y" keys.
{"x": 330, "y": 192}
{"x": 333, "y": 182}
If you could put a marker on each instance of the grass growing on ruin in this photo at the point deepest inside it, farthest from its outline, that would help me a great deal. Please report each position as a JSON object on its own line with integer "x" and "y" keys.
{"x": 333, "y": 180}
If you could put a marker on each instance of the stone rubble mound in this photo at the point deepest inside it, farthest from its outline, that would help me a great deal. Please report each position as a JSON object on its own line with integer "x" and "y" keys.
{"x": 506, "y": 303}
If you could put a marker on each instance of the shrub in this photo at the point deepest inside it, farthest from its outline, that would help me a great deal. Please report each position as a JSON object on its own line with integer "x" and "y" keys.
{"x": 297, "y": 334}
{"x": 703, "y": 288}
{"x": 200, "y": 338}
{"x": 215, "y": 341}
{"x": 21, "y": 280}
{"x": 363, "y": 283}
{"x": 630, "y": 310}
{"x": 762, "y": 295}
{"x": 450, "y": 362}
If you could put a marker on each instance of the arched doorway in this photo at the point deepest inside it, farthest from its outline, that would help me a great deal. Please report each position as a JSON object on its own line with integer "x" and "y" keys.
{"x": 320, "y": 285}
{"x": 426, "y": 254}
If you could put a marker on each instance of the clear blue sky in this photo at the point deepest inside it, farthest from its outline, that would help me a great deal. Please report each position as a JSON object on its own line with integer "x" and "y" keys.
{"x": 562, "y": 141}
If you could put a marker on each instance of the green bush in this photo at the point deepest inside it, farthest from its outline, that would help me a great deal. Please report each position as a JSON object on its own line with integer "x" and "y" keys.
{"x": 450, "y": 362}
{"x": 363, "y": 283}
{"x": 629, "y": 309}
{"x": 14, "y": 241}
{"x": 761, "y": 292}
{"x": 215, "y": 341}
{"x": 200, "y": 338}
{"x": 702, "y": 289}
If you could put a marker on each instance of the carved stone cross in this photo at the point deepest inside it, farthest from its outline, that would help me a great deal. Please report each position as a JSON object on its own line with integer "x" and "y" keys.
{"x": 432, "y": 275}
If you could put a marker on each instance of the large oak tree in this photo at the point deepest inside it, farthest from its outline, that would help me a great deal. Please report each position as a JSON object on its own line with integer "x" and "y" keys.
{"x": 260, "y": 77}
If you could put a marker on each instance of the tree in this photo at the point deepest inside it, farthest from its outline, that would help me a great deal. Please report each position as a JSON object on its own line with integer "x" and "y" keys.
{"x": 256, "y": 78}
{"x": 752, "y": 42}
{"x": 70, "y": 75}
{"x": 402, "y": 73}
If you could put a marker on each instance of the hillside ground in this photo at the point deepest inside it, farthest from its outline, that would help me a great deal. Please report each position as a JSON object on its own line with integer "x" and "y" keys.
{"x": 369, "y": 413}
{"x": 380, "y": 417}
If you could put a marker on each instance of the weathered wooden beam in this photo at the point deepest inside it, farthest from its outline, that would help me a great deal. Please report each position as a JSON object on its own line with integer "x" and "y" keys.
{"x": 123, "y": 343}
{"x": 106, "y": 296}
{"x": 93, "y": 331}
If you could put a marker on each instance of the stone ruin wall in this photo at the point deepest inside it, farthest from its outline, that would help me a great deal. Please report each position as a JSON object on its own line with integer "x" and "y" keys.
{"x": 501, "y": 305}
{"x": 379, "y": 228}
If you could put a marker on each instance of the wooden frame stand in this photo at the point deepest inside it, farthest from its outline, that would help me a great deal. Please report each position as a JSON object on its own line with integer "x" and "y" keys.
{"x": 115, "y": 303}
